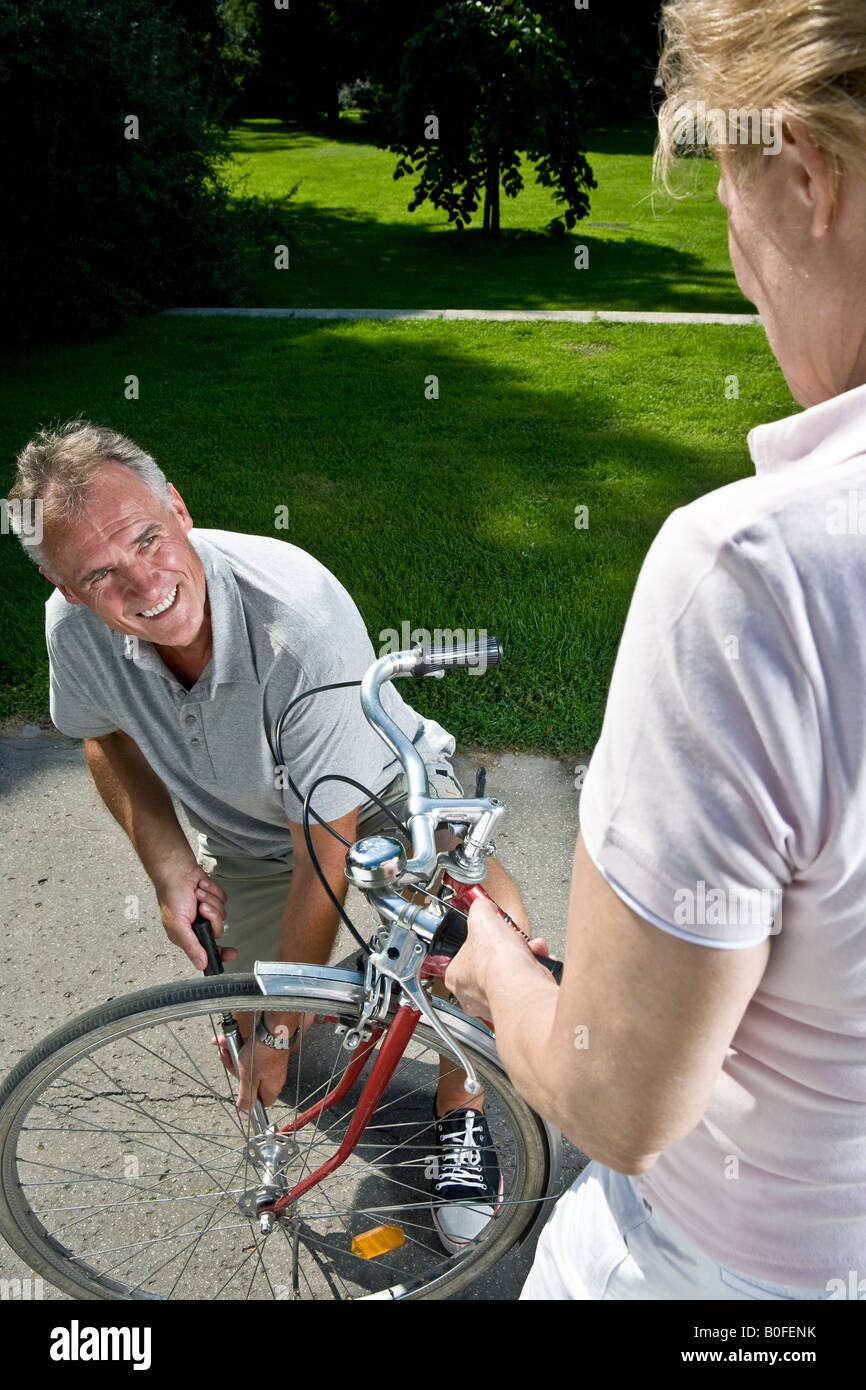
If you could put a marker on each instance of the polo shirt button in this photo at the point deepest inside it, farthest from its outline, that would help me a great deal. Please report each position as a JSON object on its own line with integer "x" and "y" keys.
{"x": 190, "y": 719}
{"x": 195, "y": 742}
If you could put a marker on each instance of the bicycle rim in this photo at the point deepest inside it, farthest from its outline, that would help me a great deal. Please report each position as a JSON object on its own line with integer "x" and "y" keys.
{"x": 125, "y": 1165}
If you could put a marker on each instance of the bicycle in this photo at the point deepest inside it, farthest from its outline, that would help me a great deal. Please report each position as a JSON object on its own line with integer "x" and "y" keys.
{"x": 331, "y": 1201}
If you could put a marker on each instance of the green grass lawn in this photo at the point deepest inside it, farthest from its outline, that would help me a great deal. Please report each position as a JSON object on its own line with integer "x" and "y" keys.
{"x": 355, "y": 245}
{"x": 456, "y": 512}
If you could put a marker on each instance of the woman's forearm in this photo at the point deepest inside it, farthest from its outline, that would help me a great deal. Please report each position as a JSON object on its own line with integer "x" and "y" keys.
{"x": 556, "y": 1062}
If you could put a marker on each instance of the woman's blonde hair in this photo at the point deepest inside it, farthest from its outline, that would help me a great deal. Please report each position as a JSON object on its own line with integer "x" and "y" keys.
{"x": 738, "y": 59}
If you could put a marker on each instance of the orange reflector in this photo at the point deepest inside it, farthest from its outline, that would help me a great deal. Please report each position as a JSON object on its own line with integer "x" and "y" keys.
{"x": 377, "y": 1242}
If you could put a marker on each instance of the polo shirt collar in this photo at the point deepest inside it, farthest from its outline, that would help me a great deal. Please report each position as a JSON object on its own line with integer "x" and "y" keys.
{"x": 828, "y": 433}
{"x": 232, "y": 660}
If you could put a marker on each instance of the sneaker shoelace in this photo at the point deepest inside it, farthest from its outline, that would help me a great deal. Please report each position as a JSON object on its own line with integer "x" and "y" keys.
{"x": 462, "y": 1162}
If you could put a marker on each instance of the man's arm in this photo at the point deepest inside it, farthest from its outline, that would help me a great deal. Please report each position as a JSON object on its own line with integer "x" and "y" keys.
{"x": 140, "y": 803}
{"x": 310, "y": 921}
{"x": 137, "y": 799}
{"x": 623, "y": 1057}
{"x": 307, "y": 932}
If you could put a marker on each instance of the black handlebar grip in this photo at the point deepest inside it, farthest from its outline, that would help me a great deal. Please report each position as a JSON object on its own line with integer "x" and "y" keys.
{"x": 204, "y": 936}
{"x": 452, "y": 934}
{"x": 481, "y": 654}
{"x": 554, "y": 966}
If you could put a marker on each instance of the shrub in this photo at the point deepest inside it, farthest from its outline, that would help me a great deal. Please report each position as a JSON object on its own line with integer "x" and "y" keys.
{"x": 100, "y": 226}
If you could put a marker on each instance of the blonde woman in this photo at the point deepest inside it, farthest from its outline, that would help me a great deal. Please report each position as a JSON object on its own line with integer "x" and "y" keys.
{"x": 707, "y": 1048}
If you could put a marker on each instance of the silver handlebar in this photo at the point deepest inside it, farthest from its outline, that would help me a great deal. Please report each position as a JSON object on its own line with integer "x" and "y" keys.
{"x": 424, "y": 813}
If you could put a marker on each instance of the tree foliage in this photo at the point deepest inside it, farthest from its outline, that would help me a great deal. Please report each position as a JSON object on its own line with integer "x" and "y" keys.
{"x": 496, "y": 81}
{"x": 613, "y": 47}
{"x": 301, "y": 61}
{"x": 99, "y": 226}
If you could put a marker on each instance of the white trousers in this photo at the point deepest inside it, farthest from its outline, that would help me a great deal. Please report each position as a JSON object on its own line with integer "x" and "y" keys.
{"x": 605, "y": 1241}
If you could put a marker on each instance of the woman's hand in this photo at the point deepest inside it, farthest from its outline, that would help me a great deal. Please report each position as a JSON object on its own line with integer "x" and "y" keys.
{"x": 490, "y": 943}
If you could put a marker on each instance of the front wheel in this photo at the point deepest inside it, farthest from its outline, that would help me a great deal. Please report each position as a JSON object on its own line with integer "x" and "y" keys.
{"x": 127, "y": 1172}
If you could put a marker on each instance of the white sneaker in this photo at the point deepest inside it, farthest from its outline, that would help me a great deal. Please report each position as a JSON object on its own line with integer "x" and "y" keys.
{"x": 467, "y": 1190}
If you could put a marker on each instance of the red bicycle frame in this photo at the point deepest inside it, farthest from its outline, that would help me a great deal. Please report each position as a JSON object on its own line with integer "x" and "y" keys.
{"x": 396, "y": 1039}
{"x": 400, "y": 1031}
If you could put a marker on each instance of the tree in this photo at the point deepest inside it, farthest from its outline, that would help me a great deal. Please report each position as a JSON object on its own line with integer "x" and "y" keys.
{"x": 113, "y": 115}
{"x": 614, "y": 47}
{"x": 479, "y": 84}
{"x": 304, "y": 53}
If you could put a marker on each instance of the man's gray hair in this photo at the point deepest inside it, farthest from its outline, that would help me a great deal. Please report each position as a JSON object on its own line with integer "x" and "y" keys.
{"x": 57, "y": 469}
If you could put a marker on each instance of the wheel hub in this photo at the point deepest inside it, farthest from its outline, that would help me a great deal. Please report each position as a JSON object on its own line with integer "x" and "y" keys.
{"x": 269, "y": 1152}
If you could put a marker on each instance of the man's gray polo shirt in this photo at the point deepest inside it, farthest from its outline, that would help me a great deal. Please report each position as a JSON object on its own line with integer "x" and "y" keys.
{"x": 282, "y": 624}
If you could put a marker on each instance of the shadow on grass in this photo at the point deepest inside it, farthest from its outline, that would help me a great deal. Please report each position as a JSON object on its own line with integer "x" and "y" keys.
{"x": 351, "y": 257}
{"x": 456, "y": 512}
{"x": 345, "y": 259}
{"x": 256, "y": 134}
{"x": 637, "y": 138}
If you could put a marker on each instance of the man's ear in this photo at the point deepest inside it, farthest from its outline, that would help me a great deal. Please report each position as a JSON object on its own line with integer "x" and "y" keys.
{"x": 178, "y": 506}
{"x": 65, "y": 591}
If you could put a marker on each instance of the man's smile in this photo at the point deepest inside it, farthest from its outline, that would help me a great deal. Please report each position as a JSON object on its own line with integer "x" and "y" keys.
{"x": 163, "y": 607}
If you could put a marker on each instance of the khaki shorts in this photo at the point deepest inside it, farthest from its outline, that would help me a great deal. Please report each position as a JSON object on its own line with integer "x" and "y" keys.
{"x": 256, "y": 889}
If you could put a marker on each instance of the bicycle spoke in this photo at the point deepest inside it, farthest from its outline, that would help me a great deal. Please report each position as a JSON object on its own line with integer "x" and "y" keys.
{"x": 190, "y": 1255}
{"x": 141, "y": 1246}
{"x": 155, "y": 1089}
{"x": 102, "y": 1129}
{"x": 138, "y": 1109}
{"x": 335, "y": 1211}
{"x": 135, "y": 1108}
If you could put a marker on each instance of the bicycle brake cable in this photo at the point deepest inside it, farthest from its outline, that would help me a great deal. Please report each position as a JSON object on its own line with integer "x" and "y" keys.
{"x": 307, "y": 811}
{"x": 317, "y": 690}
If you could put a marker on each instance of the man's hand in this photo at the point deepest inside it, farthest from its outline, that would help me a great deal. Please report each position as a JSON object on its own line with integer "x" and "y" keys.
{"x": 263, "y": 1075}
{"x": 182, "y": 892}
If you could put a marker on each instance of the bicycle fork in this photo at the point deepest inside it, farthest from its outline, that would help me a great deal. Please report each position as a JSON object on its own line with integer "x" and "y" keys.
{"x": 397, "y": 958}
{"x": 393, "y": 1046}
{"x": 271, "y": 1146}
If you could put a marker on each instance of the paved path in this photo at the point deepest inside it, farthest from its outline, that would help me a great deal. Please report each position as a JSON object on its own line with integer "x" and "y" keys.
{"x": 69, "y": 875}
{"x": 497, "y": 315}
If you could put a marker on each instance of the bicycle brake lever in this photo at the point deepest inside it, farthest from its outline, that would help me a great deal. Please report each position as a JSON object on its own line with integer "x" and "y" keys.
{"x": 398, "y": 957}
{"x": 419, "y": 1000}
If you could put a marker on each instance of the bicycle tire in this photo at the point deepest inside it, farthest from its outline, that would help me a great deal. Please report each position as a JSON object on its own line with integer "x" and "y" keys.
{"x": 81, "y": 1180}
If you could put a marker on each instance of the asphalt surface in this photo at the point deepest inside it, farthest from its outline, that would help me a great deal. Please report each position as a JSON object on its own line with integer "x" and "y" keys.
{"x": 70, "y": 884}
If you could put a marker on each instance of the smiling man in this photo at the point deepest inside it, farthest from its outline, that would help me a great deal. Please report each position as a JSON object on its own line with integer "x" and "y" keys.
{"x": 174, "y": 653}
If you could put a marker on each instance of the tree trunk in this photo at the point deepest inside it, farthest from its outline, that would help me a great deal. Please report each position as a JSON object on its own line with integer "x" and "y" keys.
{"x": 491, "y": 195}
{"x": 333, "y": 109}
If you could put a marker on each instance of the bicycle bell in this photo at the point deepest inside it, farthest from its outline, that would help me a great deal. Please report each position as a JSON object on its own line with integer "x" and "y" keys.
{"x": 375, "y": 861}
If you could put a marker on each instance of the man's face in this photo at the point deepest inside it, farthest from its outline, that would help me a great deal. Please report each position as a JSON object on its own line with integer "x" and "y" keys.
{"x": 128, "y": 556}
